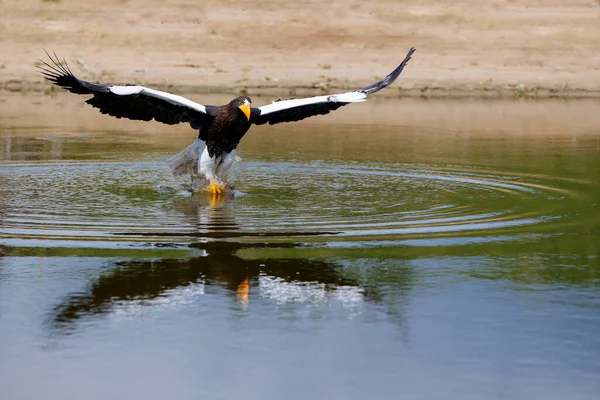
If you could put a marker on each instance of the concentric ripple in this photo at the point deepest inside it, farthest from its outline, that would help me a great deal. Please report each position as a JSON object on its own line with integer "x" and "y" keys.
{"x": 136, "y": 203}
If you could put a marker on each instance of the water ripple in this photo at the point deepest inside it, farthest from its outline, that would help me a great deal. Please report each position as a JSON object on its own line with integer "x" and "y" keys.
{"x": 138, "y": 202}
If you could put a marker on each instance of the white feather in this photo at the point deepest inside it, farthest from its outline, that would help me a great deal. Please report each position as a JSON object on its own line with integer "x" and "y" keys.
{"x": 207, "y": 165}
{"x": 171, "y": 98}
{"x": 349, "y": 97}
{"x": 125, "y": 90}
{"x": 217, "y": 169}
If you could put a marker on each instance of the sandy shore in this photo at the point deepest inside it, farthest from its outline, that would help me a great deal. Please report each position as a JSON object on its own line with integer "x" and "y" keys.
{"x": 464, "y": 48}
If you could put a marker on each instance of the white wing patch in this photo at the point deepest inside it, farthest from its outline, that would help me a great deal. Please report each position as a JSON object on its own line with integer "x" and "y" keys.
{"x": 350, "y": 97}
{"x": 168, "y": 97}
{"x": 125, "y": 90}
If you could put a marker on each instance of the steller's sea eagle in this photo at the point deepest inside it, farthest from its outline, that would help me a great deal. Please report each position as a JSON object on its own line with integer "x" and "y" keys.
{"x": 221, "y": 127}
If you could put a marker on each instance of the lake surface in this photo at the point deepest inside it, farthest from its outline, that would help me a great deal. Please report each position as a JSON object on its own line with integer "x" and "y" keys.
{"x": 398, "y": 248}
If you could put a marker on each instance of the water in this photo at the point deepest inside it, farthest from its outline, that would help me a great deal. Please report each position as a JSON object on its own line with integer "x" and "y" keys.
{"x": 434, "y": 249}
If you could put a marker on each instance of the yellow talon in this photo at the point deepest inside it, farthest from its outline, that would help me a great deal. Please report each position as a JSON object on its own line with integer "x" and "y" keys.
{"x": 218, "y": 192}
{"x": 215, "y": 189}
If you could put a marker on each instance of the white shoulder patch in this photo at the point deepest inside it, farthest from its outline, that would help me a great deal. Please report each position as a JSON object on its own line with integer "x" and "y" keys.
{"x": 168, "y": 97}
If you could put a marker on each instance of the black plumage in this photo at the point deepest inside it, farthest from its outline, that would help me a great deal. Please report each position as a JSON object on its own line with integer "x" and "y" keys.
{"x": 294, "y": 114}
{"x": 220, "y": 127}
{"x": 228, "y": 126}
{"x": 136, "y": 107}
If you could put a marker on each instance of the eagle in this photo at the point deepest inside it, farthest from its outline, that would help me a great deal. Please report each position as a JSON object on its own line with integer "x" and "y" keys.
{"x": 220, "y": 128}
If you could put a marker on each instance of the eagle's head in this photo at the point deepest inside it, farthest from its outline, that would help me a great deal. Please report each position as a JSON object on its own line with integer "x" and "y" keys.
{"x": 243, "y": 103}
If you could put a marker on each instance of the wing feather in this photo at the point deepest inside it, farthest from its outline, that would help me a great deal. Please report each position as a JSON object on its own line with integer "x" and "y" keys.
{"x": 298, "y": 109}
{"x": 388, "y": 80}
{"x": 131, "y": 102}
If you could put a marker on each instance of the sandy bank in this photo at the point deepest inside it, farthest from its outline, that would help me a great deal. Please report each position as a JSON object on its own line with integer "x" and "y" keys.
{"x": 464, "y": 48}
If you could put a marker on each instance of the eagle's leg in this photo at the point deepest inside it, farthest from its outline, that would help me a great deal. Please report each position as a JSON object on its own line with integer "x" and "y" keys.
{"x": 216, "y": 170}
{"x": 207, "y": 166}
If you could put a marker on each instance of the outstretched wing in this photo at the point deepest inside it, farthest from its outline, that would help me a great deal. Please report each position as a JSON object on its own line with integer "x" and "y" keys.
{"x": 297, "y": 109}
{"x": 132, "y": 102}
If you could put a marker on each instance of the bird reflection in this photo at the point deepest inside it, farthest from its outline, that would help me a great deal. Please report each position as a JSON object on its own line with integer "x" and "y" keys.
{"x": 219, "y": 263}
{"x": 216, "y": 264}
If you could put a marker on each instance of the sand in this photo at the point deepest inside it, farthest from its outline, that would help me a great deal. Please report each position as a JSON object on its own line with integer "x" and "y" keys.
{"x": 464, "y": 47}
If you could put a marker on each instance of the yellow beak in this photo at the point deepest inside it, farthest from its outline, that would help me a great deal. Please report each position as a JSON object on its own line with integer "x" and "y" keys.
{"x": 246, "y": 110}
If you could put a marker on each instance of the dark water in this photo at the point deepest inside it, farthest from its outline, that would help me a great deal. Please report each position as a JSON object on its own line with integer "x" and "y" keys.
{"x": 413, "y": 248}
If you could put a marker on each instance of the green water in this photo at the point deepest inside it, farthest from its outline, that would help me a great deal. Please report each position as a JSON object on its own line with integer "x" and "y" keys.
{"x": 430, "y": 248}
